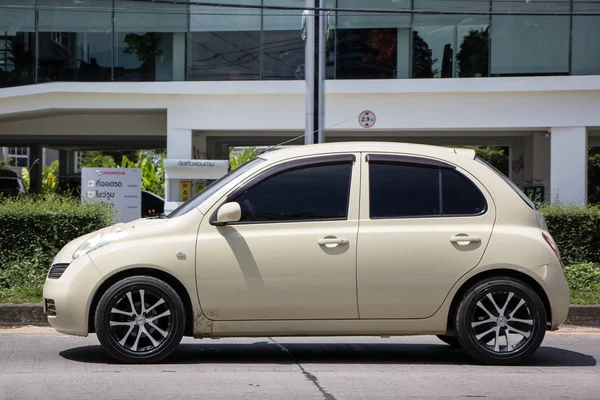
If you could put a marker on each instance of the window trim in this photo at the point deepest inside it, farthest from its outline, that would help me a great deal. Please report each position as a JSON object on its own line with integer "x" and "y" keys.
{"x": 286, "y": 167}
{"x": 405, "y": 159}
{"x": 423, "y": 163}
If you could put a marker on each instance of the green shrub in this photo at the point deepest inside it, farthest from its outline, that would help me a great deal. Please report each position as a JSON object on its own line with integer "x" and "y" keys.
{"x": 584, "y": 283}
{"x": 32, "y": 231}
{"x": 576, "y": 231}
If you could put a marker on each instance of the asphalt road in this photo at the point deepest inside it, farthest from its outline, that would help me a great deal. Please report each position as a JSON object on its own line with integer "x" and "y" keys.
{"x": 37, "y": 363}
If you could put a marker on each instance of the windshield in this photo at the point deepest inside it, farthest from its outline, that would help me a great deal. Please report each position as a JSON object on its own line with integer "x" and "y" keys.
{"x": 214, "y": 187}
{"x": 510, "y": 183}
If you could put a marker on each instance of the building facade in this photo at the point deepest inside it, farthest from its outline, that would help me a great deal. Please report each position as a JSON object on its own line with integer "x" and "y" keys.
{"x": 198, "y": 79}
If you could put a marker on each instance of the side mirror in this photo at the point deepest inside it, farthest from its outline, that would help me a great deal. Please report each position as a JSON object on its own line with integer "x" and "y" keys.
{"x": 228, "y": 212}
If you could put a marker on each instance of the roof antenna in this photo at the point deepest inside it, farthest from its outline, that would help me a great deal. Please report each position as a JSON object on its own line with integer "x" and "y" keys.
{"x": 280, "y": 144}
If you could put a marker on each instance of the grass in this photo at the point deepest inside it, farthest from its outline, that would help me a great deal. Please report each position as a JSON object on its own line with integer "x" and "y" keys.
{"x": 585, "y": 297}
{"x": 26, "y": 294}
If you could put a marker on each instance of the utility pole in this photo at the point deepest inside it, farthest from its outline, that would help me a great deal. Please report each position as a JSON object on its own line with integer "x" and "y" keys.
{"x": 315, "y": 34}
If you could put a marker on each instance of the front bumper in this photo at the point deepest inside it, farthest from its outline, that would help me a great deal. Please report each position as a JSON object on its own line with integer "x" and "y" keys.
{"x": 69, "y": 297}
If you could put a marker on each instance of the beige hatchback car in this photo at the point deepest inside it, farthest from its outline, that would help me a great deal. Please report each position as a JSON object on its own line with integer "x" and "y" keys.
{"x": 331, "y": 239}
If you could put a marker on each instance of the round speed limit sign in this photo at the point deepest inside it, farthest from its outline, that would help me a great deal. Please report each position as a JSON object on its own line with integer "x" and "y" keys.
{"x": 367, "y": 119}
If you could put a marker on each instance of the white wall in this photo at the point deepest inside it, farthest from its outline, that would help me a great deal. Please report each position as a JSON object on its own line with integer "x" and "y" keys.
{"x": 456, "y": 106}
{"x": 569, "y": 167}
{"x": 402, "y": 104}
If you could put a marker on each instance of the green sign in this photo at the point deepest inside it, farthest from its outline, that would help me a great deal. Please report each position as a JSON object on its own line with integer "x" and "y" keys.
{"x": 537, "y": 194}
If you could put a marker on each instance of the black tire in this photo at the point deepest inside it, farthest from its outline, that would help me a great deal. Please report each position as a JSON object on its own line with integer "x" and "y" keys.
{"x": 451, "y": 340}
{"x": 523, "y": 307}
{"x": 142, "y": 335}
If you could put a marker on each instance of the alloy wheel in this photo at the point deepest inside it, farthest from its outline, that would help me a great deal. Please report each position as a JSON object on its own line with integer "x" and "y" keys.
{"x": 140, "y": 320}
{"x": 501, "y": 322}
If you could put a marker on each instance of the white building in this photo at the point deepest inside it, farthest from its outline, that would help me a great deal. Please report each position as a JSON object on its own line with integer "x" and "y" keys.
{"x": 220, "y": 77}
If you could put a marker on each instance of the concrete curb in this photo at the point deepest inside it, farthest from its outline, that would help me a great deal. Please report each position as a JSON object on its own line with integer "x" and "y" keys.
{"x": 22, "y": 314}
{"x": 584, "y": 316}
{"x": 13, "y": 315}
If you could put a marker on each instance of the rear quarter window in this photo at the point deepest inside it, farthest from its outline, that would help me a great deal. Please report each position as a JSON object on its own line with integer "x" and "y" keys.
{"x": 508, "y": 182}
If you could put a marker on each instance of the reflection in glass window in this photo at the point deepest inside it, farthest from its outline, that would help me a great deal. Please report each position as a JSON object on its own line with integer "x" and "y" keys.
{"x": 449, "y": 46}
{"x": 373, "y": 46}
{"x": 225, "y": 42}
{"x": 282, "y": 44}
{"x": 524, "y": 45}
{"x": 586, "y": 46}
{"x": 17, "y": 43}
{"x": 150, "y": 41}
{"x": 75, "y": 40}
{"x": 307, "y": 193}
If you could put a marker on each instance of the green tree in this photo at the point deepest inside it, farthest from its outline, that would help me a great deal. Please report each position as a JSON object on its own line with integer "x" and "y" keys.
{"x": 97, "y": 159}
{"x": 5, "y": 163}
{"x": 152, "y": 171}
{"x": 242, "y": 157}
{"x": 494, "y": 155}
{"x": 472, "y": 57}
{"x": 146, "y": 47}
{"x": 594, "y": 175}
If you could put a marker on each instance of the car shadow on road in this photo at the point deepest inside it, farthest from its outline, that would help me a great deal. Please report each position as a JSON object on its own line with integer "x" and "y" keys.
{"x": 267, "y": 352}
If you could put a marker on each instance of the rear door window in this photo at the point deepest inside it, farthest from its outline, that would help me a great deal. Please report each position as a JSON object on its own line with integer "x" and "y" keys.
{"x": 405, "y": 189}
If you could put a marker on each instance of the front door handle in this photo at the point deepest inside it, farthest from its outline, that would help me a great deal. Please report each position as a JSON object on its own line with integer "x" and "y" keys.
{"x": 332, "y": 241}
{"x": 465, "y": 239}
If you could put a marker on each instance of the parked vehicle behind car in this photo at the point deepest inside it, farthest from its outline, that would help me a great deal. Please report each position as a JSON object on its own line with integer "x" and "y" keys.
{"x": 330, "y": 239}
{"x": 11, "y": 184}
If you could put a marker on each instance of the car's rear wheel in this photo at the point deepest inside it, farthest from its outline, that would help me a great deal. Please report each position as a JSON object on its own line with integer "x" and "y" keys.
{"x": 501, "y": 321}
{"x": 140, "y": 319}
{"x": 451, "y": 340}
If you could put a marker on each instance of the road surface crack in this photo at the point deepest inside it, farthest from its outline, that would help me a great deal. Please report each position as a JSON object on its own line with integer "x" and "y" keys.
{"x": 312, "y": 378}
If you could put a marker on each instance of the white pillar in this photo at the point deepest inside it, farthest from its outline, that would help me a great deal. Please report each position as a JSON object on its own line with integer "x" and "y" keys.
{"x": 179, "y": 146}
{"x": 179, "y": 143}
{"x": 568, "y": 165}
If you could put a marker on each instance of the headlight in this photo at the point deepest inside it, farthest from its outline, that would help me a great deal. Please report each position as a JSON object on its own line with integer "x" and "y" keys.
{"x": 98, "y": 241}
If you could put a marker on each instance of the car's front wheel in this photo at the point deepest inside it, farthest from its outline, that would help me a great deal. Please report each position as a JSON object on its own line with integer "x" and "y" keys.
{"x": 140, "y": 319}
{"x": 501, "y": 321}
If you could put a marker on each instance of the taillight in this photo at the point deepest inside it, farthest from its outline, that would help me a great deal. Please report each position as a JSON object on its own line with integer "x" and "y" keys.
{"x": 552, "y": 245}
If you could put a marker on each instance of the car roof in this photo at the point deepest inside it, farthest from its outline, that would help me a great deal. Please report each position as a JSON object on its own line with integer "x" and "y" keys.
{"x": 8, "y": 173}
{"x": 342, "y": 147}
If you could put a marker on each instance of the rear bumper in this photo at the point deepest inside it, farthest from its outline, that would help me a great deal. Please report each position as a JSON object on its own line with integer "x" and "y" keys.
{"x": 69, "y": 297}
{"x": 556, "y": 287}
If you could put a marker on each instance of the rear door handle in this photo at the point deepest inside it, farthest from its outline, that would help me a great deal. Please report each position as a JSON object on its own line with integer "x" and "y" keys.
{"x": 330, "y": 241}
{"x": 465, "y": 239}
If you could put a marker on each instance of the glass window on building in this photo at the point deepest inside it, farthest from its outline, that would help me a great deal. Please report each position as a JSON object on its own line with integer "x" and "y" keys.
{"x": 530, "y": 45}
{"x": 449, "y": 46}
{"x": 283, "y": 49}
{"x": 282, "y": 44}
{"x": 225, "y": 42}
{"x": 75, "y": 40}
{"x": 586, "y": 46}
{"x": 18, "y": 156}
{"x": 150, "y": 41}
{"x": 17, "y": 42}
{"x": 373, "y": 46}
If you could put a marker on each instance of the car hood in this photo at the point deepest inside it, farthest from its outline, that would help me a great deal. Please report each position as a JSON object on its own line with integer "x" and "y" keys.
{"x": 65, "y": 256}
